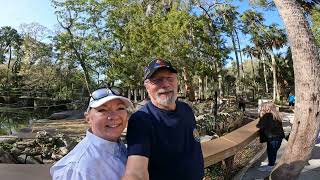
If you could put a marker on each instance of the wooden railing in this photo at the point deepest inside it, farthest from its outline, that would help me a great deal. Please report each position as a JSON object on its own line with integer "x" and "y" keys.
{"x": 225, "y": 147}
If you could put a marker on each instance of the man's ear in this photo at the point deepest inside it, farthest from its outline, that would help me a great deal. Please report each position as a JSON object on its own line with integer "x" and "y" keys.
{"x": 146, "y": 85}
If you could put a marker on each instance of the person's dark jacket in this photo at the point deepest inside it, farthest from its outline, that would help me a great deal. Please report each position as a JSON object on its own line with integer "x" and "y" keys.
{"x": 269, "y": 128}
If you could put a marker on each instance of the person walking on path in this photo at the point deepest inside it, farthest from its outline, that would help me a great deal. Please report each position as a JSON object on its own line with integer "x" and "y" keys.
{"x": 163, "y": 142}
{"x": 100, "y": 155}
{"x": 291, "y": 99}
{"x": 271, "y": 131}
{"x": 242, "y": 103}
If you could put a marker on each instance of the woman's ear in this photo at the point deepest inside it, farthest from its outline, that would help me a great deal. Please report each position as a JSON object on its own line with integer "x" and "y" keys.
{"x": 86, "y": 116}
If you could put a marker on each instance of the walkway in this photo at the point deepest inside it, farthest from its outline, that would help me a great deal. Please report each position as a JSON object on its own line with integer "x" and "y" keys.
{"x": 25, "y": 171}
{"x": 310, "y": 172}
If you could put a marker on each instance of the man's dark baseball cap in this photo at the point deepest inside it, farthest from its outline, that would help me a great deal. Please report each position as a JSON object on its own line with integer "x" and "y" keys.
{"x": 155, "y": 65}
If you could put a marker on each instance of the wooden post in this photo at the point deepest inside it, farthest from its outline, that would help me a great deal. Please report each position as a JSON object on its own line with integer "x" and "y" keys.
{"x": 228, "y": 167}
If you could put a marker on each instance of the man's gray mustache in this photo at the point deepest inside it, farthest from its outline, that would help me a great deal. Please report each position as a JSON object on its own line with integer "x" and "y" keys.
{"x": 165, "y": 91}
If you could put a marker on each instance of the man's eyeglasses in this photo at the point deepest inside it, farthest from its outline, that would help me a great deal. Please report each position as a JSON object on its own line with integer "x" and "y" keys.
{"x": 104, "y": 92}
{"x": 158, "y": 81}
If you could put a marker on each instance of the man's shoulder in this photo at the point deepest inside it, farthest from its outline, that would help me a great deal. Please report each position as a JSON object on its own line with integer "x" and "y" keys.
{"x": 142, "y": 110}
{"x": 143, "y": 106}
{"x": 143, "y": 113}
{"x": 183, "y": 105}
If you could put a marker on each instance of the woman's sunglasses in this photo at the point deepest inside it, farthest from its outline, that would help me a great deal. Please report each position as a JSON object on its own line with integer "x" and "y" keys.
{"x": 104, "y": 92}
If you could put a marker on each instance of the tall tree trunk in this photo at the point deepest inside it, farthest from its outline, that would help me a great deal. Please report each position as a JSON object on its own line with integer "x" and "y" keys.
{"x": 252, "y": 66}
{"x": 86, "y": 75}
{"x": 218, "y": 69}
{"x": 239, "y": 48}
{"x": 129, "y": 93}
{"x": 9, "y": 62}
{"x": 203, "y": 87}
{"x": 275, "y": 96}
{"x": 181, "y": 88}
{"x": 188, "y": 84}
{"x": 237, "y": 63}
{"x": 81, "y": 57}
{"x": 200, "y": 93}
{"x": 206, "y": 87}
{"x": 282, "y": 86}
{"x": 306, "y": 63}
{"x": 265, "y": 73}
{"x": 135, "y": 95}
{"x": 253, "y": 73}
{"x": 220, "y": 86}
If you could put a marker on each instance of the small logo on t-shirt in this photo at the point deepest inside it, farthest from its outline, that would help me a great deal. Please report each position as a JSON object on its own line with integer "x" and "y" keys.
{"x": 196, "y": 135}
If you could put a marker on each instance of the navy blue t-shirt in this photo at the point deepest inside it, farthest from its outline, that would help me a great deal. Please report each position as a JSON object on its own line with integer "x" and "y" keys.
{"x": 169, "y": 139}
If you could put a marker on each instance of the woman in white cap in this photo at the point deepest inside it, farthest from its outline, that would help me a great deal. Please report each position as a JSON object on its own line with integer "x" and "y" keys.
{"x": 100, "y": 155}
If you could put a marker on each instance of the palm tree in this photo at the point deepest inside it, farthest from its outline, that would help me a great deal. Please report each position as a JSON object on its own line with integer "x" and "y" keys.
{"x": 251, "y": 52}
{"x": 253, "y": 24}
{"x": 274, "y": 38}
{"x": 228, "y": 15}
{"x": 258, "y": 41}
{"x": 306, "y": 62}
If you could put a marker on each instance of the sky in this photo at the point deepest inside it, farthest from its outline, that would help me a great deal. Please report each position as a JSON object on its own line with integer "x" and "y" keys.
{"x": 270, "y": 16}
{"x": 16, "y": 12}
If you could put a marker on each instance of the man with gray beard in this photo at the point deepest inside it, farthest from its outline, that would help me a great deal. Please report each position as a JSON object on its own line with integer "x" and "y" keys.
{"x": 163, "y": 142}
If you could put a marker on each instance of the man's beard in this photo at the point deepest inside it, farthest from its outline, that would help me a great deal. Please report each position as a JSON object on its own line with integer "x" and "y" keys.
{"x": 169, "y": 99}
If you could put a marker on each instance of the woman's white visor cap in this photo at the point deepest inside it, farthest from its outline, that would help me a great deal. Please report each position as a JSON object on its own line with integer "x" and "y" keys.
{"x": 94, "y": 103}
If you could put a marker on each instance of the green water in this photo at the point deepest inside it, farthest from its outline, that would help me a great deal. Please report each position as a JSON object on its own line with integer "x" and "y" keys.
{"x": 13, "y": 119}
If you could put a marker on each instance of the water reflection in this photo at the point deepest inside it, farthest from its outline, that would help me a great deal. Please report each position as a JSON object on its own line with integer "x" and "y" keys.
{"x": 14, "y": 119}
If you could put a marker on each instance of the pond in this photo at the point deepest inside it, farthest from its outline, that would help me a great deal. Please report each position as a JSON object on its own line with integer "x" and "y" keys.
{"x": 13, "y": 119}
